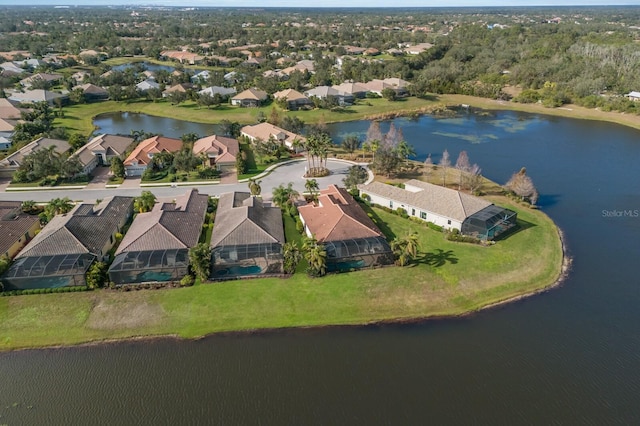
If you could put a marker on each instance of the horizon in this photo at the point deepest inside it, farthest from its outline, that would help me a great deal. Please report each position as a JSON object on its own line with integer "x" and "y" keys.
{"x": 330, "y": 4}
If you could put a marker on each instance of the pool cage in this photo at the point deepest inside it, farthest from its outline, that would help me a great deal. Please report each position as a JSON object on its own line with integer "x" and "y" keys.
{"x": 63, "y": 270}
{"x": 137, "y": 267}
{"x": 489, "y": 222}
{"x": 246, "y": 259}
{"x": 344, "y": 255}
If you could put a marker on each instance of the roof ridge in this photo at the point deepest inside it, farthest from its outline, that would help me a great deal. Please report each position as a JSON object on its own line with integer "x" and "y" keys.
{"x": 171, "y": 233}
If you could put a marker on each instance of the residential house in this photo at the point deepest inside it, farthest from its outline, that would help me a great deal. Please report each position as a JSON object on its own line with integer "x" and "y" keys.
{"x": 5, "y": 143}
{"x": 182, "y": 56}
{"x": 326, "y": 92}
{"x": 354, "y": 50}
{"x": 252, "y": 97}
{"x": 357, "y": 90}
{"x": 146, "y": 85}
{"x": 156, "y": 246}
{"x": 442, "y": 206}
{"x": 93, "y": 92}
{"x": 219, "y": 151}
{"x": 49, "y": 78}
{"x": 349, "y": 236}
{"x": 80, "y": 76}
{"x": 247, "y": 238}
{"x": 100, "y": 150}
{"x": 38, "y": 95}
{"x": 418, "y": 48}
{"x": 181, "y": 87}
{"x": 16, "y": 228}
{"x": 12, "y": 162}
{"x": 265, "y": 131}
{"x": 633, "y": 96}
{"x": 201, "y": 78}
{"x": 9, "y": 110}
{"x": 304, "y": 65}
{"x": 136, "y": 163}
{"x": 61, "y": 254}
{"x": 294, "y": 99}
{"x": 10, "y": 68}
{"x": 224, "y": 92}
{"x": 378, "y": 86}
{"x": 6, "y": 128}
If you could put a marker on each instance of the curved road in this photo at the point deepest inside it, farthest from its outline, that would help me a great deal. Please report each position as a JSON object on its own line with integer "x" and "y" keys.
{"x": 283, "y": 174}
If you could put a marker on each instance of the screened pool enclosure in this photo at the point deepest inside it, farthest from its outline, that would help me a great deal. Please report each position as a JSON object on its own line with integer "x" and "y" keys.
{"x": 136, "y": 267}
{"x": 344, "y": 255}
{"x": 63, "y": 270}
{"x": 246, "y": 259}
{"x": 489, "y": 222}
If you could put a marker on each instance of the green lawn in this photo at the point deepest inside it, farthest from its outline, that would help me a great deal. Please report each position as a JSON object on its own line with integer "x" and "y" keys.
{"x": 449, "y": 279}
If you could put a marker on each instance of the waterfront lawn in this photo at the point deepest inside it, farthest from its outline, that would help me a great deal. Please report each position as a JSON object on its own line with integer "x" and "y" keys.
{"x": 448, "y": 279}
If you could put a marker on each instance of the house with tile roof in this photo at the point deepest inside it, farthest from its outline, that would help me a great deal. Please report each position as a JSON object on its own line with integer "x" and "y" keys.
{"x": 11, "y": 163}
{"x": 357, "y": 90}
{"x": 9, "y": 110}
{"x": 16, "y": 228}
{"x": 247, "y": 237}
{"x": 350, "y": 237}
{"x": 219, "y": 151}
{"x": 294, "y": 99}
{"x": 180, "y": 87}
{"x": 48, "y": 78}
{"x": 156, "y": 246}
{"x": 61, "y": 254}
{"x": 265, "y": 131}
{"x": 136, "y": 163}
{"x": 324, "y": 92}
{"x": 224, "y": 92}
{"x": 93, "y": 92}
{"x": 146, "y": 85}
{"x": 252, "y": 97}
{"x": 442, "y": 206}
{"x": 100, "y": 150}
{"x": 38, "y": 95}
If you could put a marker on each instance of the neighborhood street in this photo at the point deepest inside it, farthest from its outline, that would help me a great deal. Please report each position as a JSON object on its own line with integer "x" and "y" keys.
{"x": 289, "y": 172}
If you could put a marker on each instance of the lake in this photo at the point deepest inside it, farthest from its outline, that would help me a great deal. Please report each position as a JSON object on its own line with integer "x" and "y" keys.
{"x": 147, "y": 66}
{"x": 568, "y": 356}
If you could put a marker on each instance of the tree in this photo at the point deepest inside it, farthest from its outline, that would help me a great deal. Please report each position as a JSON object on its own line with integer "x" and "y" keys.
{"x": 386, "y": 162}
{"x": 350, "y": 143}
{"x": 463, "y": 166}
{"x": 70, "y": 167}
{"x": 28, "y": 206}
{"x": 445, "y": 163}
{"x": 405, "y": 150}
{"x": 374, "y": 133}
{"x": 311, "y": 185}
{"x": 144, "y": 202}
{"x": 230, "y": 128}
{"x": 189, "y": 138}
{"x": 185, "y": 160}
{"x": 428, "y": 165}
{"x": 405, "y": 249}
{"x": 292, "y": 124}
{"x": 254, "y": 187}
{"x": 391, "y": 138}
{"x": 200, "y": 260}
{"x": 97, "y": 275}
{"x": 292, "y": 256}
{"x": 283, "y": 196}
{"x": 473, "y": 179}
{"x": 77, "y": 141}
{"x": 57, "y": 206}
{"x": 176, "y": 97}
{"x": 117, "y": 167}
{"x": 274, "y": 117}
{"x": 366, "y": 147}
{"x": 522, "y": 185}
{"x": 316, "y": 256}
{"x": 355, "y": 176}
{"x": 389, "y": 94}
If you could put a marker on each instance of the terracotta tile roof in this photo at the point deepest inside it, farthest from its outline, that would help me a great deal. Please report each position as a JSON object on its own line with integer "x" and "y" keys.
{"x": 290, "y": 95}
{"x": 337, "y": 216}
{"x": 428, "y": 197}
{"x": 168, "y": 226}
{"x": 14, "y": 224}
{"x": 242, "y": 219}
{"x": 224, "y": 149}
{"x": 152, "y": 146}
{"x": 86, "y": 229}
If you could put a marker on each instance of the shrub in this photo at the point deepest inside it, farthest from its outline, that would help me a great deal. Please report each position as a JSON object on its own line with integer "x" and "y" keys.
{"x": 435, "y": 227}
{"x": 187, "y": 281}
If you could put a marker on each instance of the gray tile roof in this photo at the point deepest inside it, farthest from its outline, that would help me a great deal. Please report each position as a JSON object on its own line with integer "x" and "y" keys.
{"x": 242, "y": 219}
{"x": 86, "y": 229}
{"x": 168, "y": 226}
{"x": 110, "y": 144}
{"x": 433, "y": 198}
{"x": 17, "y": 157}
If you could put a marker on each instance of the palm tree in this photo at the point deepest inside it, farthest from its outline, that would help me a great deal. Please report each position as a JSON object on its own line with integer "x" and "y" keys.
{"x": 365, "y": 148}
{"x": 374, "y": 145}
{"x": 413, "y": 245}
{"x": 200, "y": 260}
{"x": 405, "y": 249}
{"x": 311, "y": 185}
{"x": 254, "y": 187}
{"x": 405, "y": 150}
{"x": 316, "y": 256}
{"x": 28, "y": 206}
{"x": 144, "y": 202}
{"x": 284, "y": 195}
{"x": 292, "y": 256}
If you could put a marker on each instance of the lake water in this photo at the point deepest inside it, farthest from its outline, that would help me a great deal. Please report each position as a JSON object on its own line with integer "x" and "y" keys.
{"x": 568, "y": 356}
{"x": 147, "y": 66}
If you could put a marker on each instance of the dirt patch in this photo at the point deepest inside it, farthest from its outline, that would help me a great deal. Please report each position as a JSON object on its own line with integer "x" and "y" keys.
{"x": 110, "y": 315}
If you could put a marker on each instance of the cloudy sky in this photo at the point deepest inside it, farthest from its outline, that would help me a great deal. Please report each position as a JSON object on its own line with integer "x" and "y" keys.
{"x": 327, "y": 3}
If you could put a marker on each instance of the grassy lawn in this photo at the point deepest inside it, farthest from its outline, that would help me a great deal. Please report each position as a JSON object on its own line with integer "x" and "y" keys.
{"x": 448, "y": 279}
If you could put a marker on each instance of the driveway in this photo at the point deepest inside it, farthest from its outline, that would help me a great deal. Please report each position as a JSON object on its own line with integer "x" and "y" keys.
{"x": 100, "y": 178}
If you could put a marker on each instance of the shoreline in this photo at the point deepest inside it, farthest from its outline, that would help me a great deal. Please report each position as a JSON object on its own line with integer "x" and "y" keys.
{"x": 560, "y": 279}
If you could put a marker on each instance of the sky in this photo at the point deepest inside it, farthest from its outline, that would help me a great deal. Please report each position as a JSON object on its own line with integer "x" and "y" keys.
{"x": 325, "y": 3}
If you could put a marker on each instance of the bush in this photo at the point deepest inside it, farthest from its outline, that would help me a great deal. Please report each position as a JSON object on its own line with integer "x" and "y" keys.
{"x": 187, "y": 281}
{"x": 401, "y": 212}
{"x": 208, "y": 173}
{"x": 299, "y": 225}
{"x": 435, "y": 227}
{"x": 455, "y": 235}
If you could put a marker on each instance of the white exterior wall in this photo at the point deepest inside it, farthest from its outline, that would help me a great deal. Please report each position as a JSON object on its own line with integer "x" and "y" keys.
{"x": 445, "y": 222}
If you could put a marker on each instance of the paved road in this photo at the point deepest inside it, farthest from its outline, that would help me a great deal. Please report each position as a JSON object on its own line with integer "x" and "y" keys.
{"x": 290, "y": 172}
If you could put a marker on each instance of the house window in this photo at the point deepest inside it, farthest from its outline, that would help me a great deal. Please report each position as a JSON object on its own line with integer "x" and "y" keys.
{"x": 423, "y": 215}
{"x": 413, "y": 212}
{"x": 390, "y": 204}
{"x": 449, "y": 222}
